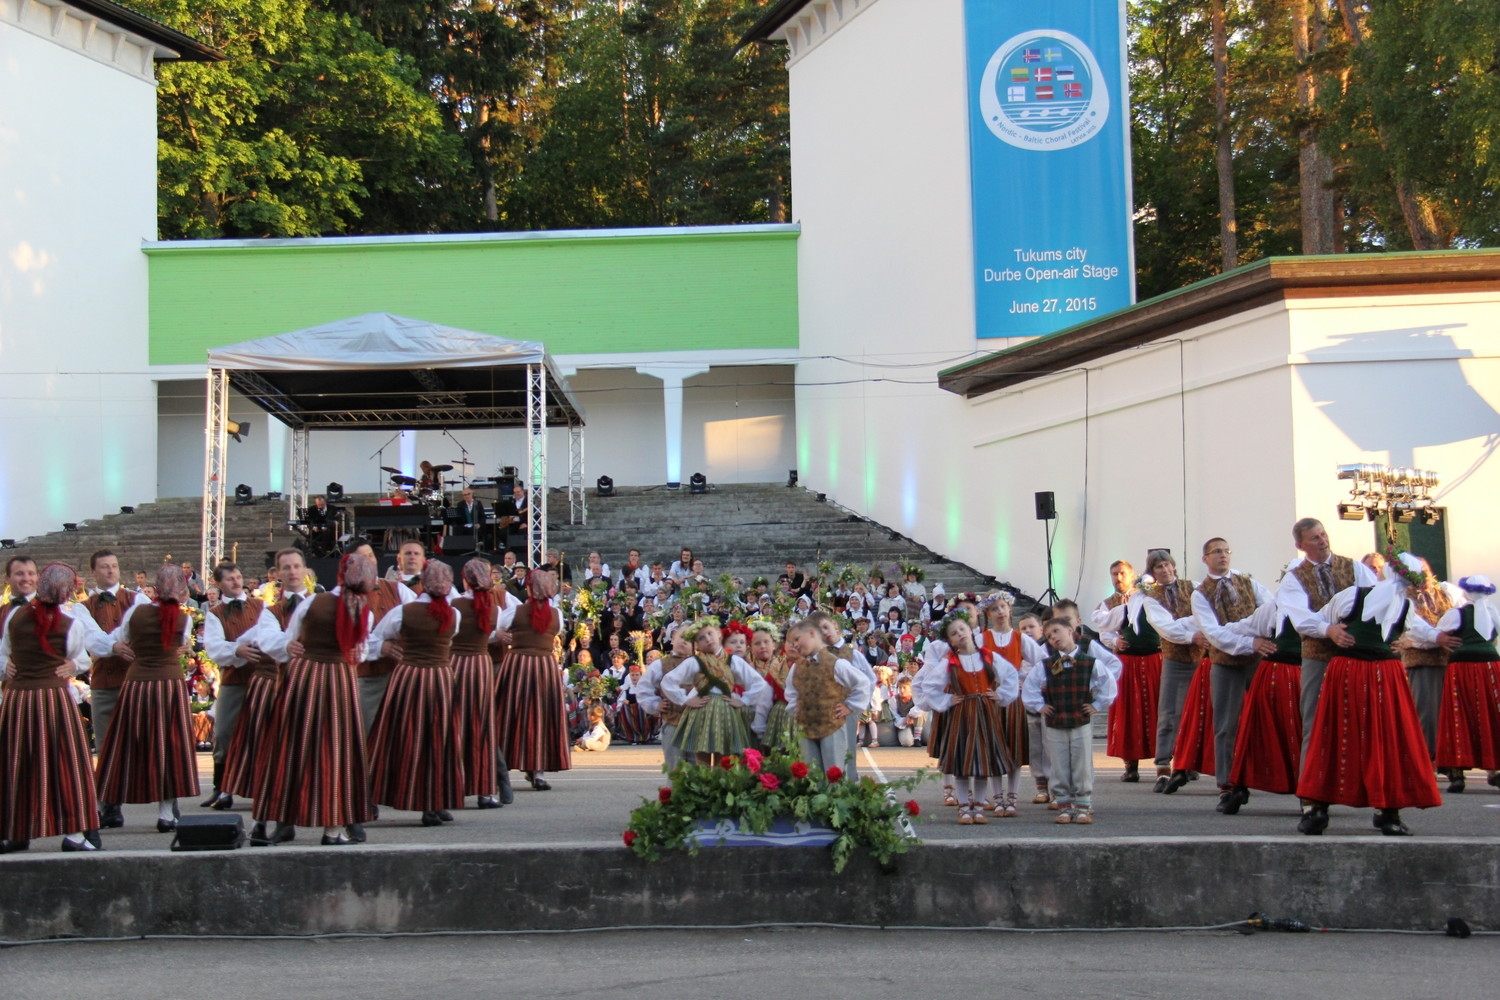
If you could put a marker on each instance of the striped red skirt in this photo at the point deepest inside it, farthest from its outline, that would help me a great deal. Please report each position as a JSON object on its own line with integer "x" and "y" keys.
{"x": 635, "y": 725}
{"x": 474, "y": 694}
{"x": 47, "y": 785}
{"x": 1367, "y": 747}
{"x": 530, "y": 724}
{"x": 1131, "y": 726}
{"x": 1268, "y": 748}
{"x": 416, "y": 747}
{"x": 1194, "y": 749}
{"x": 1013, "y": 733}
{"x": 148, "y": 754}
{"x": 937, "y": 734}
{"x": 314, "y": 772}
{"x": 972, "y": 743}
{"x": 245, "y": 757}
{"x": 1469, "y": 721}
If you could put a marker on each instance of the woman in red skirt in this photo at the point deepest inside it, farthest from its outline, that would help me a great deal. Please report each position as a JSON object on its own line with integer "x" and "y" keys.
{"x": 474, "y": 679}
{"x": 531, "y": 723}
{"x": 1021, "y": 654}
{"x": 148, "y": 755}
{"x": 46, "y": 776}
{"x": 1469, "y": 723}
{"x": 416, "y": 747}
{"x": 1367, "y": 747}
{"x": 1193, "y": 753}
{"x": 1268, "y": 748}
{"x": 1131, "y": 732}
{"x": 314, "y": 772}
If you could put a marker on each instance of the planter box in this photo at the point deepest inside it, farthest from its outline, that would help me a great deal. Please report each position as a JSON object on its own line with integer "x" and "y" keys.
{"x": 783, "y": 833}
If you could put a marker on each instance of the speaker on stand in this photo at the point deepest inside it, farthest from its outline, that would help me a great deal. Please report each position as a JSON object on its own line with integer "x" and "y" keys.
{"x": 1046, "y": 512}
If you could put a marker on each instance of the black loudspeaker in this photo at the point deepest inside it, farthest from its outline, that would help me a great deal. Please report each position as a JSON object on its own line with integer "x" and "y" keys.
{"x": 209, "y": 833}
{"x": 454, "y": 545}
{"x": 1046, "y": 506}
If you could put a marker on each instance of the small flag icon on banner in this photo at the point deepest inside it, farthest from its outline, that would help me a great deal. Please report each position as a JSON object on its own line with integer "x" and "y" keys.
{"x": 1064, "y": 73}
{"x": 1044, "y": 93}
{"x": 1072, "y": 90}
{"x": 1053, "y": 53}
{"x": 1043, "y": 75}
{"x": 1015, "y": 94}
{"x": 1031, "y": 55}
{"x": 1020, "y": 74}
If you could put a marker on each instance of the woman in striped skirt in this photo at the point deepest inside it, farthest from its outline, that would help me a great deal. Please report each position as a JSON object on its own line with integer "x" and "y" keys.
{"x": 416, "y": 747}
{"x": 1020, "y": 653}
{"x": 314, "y": 771}
{"x": 148, "y": 754}
{"x": 46, "y": 776}
{"x": 531, "y": 724}
{"x": 474, "y": 680}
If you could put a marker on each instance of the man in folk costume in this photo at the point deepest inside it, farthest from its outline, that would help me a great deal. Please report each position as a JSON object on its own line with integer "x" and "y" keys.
{"x": 1469, "y": 728}
{"x": 833, "y": 637}
{"x": 1132, "y": 716}
{"x": 1227, "y": 596}
{"x": 649, "y": 697}
{"x": 230, "y": 632}
{"x": 107, "y": 606}
{"x": 1423, "y": 651}
{"x": 1180, "y": 654}
{"x": 1308, "y": 585}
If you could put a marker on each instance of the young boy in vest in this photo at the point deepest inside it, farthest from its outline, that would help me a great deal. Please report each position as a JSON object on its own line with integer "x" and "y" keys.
{"x": 822, "y": 691}
{"x": 1074, "y": 684}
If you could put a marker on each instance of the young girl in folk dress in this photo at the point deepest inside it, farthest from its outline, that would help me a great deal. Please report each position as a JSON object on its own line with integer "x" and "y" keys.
{"x": 704, "y": 685}
{"x": 969, "y": 688}
{"x": 1020, "y": 654}
{"x": 781, "y": 728}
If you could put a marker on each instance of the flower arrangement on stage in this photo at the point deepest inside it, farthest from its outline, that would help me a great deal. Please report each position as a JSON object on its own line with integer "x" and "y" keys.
{"x": 909, "y": 568}
{"x": 586, "y": 608}
{"x": 756, "y": 789}
{"x": 638, "y": 640}
{"x": 591, "y": 685}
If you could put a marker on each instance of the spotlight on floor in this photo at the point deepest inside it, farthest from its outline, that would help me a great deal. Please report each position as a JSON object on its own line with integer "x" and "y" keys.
{"x": 822, "y": 497}
{"x": 334, "y": 493}
{"x": 697, "y": 483}
{"x": 604, "y": 486}
{"x": 791, "y": 478}
{"x": 70, "y": 525}
{"x": 7, "y": 543}
{"x": 244, "y": 496}
{"x": 127, "y": 510}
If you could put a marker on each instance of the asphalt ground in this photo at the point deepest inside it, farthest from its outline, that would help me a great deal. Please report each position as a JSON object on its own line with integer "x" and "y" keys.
{"x": 755, "y": 964}
{"x": 591, "y": 803}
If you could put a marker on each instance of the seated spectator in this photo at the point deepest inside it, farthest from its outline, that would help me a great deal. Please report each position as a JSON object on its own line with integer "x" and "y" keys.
{"x": 597, "y": 737}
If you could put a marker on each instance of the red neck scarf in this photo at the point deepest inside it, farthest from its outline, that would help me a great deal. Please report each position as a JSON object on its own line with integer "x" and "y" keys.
{"x": 44, "y": 619}
{"x": 439, "y": 609}
{"x": 171, "y": 623}
{"x": 352, "y": 626}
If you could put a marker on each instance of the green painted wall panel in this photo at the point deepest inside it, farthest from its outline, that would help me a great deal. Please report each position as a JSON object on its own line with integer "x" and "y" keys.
{"x": 650, "y": 290}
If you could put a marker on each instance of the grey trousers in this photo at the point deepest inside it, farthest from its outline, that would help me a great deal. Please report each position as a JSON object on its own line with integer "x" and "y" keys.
{"x": 1070, "y": 755}
{"x": 371, "y": 694}
{"x": 851, "y": 725}
{"x": 1427, "y": 687}
{"x": 1036, "y": 747}
{"x": 1175, "y": 678}
{"x": 669, "y": 749}
{"x": 832, "y": 750}
{"x": 227, "y": 709}
{"x": 1227, "y": 688}
{"x": 101, "y": 710}
{"x": 1312, "y": 686}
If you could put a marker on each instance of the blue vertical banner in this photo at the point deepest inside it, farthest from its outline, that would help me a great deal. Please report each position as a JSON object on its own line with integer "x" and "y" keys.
{"x": 1049, "y": 150}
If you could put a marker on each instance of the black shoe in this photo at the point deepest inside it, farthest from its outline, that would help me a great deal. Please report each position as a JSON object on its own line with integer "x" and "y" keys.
{"x": 507, "y": 793}
{"x": 1393, "y": 827}
{"x": 1314, "y": 821}
{"x": 111, "y": 817}
{"x": 1456, "y": 782}
{"x": 341, "y": 839}
{"x": 258, "y": 836}
{"x": 1194, "y": 775}
{"x": 1161, "y": 783}
{"x": 284, "y": 833}
{"x": 166, "y": 825}
{"x": 1230, "y": 801}
{"x": 1224, "y": 800}
{"x": 223, "y": 801}
{"x": 212, "y": 802}
{"x": 541, "y": 785}
{"x": 1176, "y": 781}
{"x": 431, "y": 819}
{"x": 1494, "y": 779}
{"x": 489, "y": 802}
{"x": 1132, "y": 773}
{"x": 12, "y": 846}
{"x": 92, "y": 836}
{"x": 355, "y": 832}
{"x": 88, "y": 846}
{"x": 374, "y": 812}
{"x": 445, "y": 815}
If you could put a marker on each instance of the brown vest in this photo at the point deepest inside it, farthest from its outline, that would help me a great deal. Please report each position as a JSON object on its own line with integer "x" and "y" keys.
{"x": 424, "y": 643}
{"x": 1307, "y": 575}
{"x": 383, "y": 599}
{"x": 671, "y": 712}
{"x": 526, "y": 639}
{"x": 109, "y": 672}
{"x": 1183, "y": 590}
{"x": 236, "y": 623}
{"x": 153, "y": 661}
{"x": 817, "y": 695}
{"x": 36, "y": 669}
{"x": 319, "y": 637}
{"x": 1431, "y": 605}
{"x": 473, "y": 638}
{"x": 1239, "y": 604}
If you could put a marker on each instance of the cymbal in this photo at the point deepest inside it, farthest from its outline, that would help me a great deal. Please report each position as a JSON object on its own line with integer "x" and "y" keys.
{"x": 461, "y": 462}
{"x": 442, "y": 468}
{"x": 453, "y": 482}
{"x": 387, "y": 468}
{"x": 403, "y": 480}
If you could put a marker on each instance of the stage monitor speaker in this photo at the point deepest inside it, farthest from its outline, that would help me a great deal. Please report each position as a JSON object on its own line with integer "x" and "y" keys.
{"x": 1046, "y": 506}
{"x": 209, "y": 833}
{"x": 325, "y": 569}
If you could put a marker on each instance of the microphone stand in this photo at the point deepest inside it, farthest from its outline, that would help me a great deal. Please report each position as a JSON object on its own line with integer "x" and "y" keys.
{"x": 463, "y": 457}
{"x": 379, "y": 457}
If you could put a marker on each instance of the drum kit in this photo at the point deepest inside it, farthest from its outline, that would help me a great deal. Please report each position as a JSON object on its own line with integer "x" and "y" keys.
{"x": 436, "y": 497}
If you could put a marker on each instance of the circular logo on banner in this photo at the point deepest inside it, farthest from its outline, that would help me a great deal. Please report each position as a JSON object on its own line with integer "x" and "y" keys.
{"x": 1044, "y": 90}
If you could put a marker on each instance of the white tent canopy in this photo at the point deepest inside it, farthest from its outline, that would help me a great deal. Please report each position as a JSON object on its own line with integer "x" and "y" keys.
{"x": 399, "y": 373}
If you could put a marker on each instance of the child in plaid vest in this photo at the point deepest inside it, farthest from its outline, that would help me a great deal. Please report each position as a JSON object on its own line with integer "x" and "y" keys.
{"x": 1074, "y": 684}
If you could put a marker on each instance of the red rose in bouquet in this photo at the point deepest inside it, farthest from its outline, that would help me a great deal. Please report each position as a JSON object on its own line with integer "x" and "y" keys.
{"x": 664, "y": 794}
{"x": 629, "y": 837}
{"x": 913, "y": 808}
{"x": 835, "y": 773}
{"x": 799, "y": 769}
{"x": 770, "y": 782}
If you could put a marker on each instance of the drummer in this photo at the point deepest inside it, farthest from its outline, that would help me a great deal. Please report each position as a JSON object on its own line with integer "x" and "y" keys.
{"x": 431, "y": 479}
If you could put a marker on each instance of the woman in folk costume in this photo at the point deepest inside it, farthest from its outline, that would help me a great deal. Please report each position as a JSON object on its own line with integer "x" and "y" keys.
{"x": 46, "y": 775}
{"x": 766, "y": 658}
{"x": 713, "y": 723}
{"x": 1022, "y": 655}
{"x": 1125, "y": 630}
{"x": 970, "y": 693}
{"x": 1425, "y": 659}
{"x": 1469, "y": 726}
{"x": 474, "y": 679}
{"x": 531, "y": 723}
{"x": 1366, "y": 747}
{"x": 416, "y": 746}
{"x": 1268, "y": 747}
{"x": 314, "y": 772}
{"x": 148, "y": 754}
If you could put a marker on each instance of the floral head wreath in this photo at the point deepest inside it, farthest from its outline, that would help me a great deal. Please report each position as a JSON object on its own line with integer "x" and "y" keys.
{"x": 739, "y": 628}
{"x": 760, "y": 623}
{"x": 959, "y": 614}
{"x": 1476, "y": 585}
{"x": 691, "y": 629}
{"x": 1399, "y": 565}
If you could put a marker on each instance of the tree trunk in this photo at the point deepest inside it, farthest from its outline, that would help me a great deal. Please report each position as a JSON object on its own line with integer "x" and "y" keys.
{"x": 1228, "y": 234}
{"x": 1316, "y": 172}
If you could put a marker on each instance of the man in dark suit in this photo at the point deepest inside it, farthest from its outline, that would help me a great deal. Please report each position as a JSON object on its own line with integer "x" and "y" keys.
{"x": 472, "y": 517}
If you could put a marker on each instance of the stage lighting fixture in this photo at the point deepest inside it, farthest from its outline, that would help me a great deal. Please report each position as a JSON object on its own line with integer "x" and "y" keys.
{"x": 70, "y": 525}
{"x": 822, "y": 497}
{"x": 791, "y": 478}
{"x": 127, "y": 510}
{"x": 604, "y": 486}
{"x": 274, "y": 495}
{"x": 244, "y": 496}
{"x": 1351, "y": 512}
{"x": 697, "y": 483}
{"x": 237, "y": 429}
{"x": 1405, "y": 515}
{"x": 334, "y": 493}
{"x": 1431, "y": 516}
{"x": 7, "y": 543}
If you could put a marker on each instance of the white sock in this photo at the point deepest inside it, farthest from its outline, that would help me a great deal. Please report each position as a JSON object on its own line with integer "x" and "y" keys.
{"x": 75, "y": 838}
{"x": 993, "y": 787}
{"x": 164, "y": 809}
{"x": 333, "y": 832}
